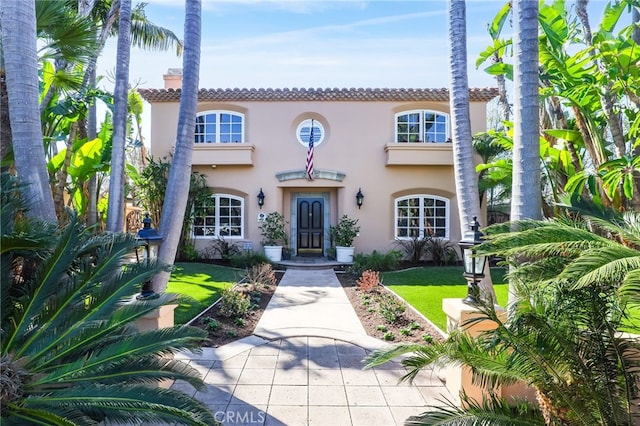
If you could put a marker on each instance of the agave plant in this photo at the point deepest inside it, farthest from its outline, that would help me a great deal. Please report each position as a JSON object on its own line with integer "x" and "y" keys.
{"x": 70, "y": 353}
{"x": 576, "y": 283}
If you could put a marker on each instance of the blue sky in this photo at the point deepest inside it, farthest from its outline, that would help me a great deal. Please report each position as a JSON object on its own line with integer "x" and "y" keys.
{"x": 307, "y": 43}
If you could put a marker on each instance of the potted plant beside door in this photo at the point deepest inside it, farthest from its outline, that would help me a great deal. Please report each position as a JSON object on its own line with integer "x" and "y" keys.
{"x": 342, "y": 235}
{"x": 274, "y": 236}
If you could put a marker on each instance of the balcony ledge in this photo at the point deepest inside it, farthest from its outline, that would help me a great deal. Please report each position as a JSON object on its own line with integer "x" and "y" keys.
{"x": 419, "y": 154}
{"x": 223, "y": 154}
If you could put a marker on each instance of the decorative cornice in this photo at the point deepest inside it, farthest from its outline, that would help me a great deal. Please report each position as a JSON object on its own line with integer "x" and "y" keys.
{"x": 317, "y": 174}
{"x": 317, "y": 95}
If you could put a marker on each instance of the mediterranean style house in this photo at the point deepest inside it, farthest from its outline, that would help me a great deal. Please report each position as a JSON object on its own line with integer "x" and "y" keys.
{"x": 390, "y": 146}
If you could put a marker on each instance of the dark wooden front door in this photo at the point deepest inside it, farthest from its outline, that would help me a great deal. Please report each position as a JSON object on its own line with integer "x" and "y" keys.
{"x": 310, "y": 225}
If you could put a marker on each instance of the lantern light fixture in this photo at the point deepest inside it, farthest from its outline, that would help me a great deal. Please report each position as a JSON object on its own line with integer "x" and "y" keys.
{"x": 359, "y": 198}
{"x": 151, "y": 240}
{"x": 261, "y": 198}
{"x": 473, "y": 263}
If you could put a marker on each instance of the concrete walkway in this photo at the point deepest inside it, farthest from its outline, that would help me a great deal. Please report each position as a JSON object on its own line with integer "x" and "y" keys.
{"x": 303, "y": 365}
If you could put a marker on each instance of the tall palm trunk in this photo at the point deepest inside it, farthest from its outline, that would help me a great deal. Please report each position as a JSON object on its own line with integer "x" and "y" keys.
{"x": 526, "y": 199}
{"x": 18, "y": 21}
{"x": 115, "y": 210}
{"x": 464, "y": 162}
{"x": 175, "y": 201}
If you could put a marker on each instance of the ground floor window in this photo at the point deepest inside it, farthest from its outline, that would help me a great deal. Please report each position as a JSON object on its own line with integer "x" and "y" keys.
{"x": 418, "y": 216}
{"x": 221, "y": 216}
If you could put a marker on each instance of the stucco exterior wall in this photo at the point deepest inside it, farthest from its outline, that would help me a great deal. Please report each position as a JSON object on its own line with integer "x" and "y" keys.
{"x": 358, "y": 142}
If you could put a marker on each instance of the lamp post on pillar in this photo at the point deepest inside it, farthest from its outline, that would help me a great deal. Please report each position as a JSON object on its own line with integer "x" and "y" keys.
{"x": 473, "y": 264}
{"x": 151, "y": 241}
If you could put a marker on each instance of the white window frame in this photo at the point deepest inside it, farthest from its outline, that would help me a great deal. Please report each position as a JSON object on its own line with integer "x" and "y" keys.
{"x": 218, "y": 114}
{"x": 217, "y": 227}
{"x": 316, "y": 140}
{"x": 421, "y": 216}
{"x": 421, "y": 123}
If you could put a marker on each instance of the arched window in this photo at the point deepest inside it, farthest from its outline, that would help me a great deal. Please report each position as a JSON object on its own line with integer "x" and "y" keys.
{"x": 422, "y": 126}
{"x": 221, "y": 216}
{"x": 219, "y": 127}
{"x": 419, "y": 216}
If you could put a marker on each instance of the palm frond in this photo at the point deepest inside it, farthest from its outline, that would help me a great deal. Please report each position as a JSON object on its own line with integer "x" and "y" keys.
{"x": 387, "y": 353}
{"x": 120, "y": 351}
{"x": 608, "y": 265}
{"x": 493, "y": 411}
{"x": 48, "y": 278}
{"x": 126, "y": 402}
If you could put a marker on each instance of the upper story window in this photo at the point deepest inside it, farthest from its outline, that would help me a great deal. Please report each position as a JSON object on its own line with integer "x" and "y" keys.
{"x": 221, "y": 216}
{"x": 303, "y": 132}
{"x": 422, "y": 126}
{"x": 219, "y": 127}
{"x": 419, "y": 216}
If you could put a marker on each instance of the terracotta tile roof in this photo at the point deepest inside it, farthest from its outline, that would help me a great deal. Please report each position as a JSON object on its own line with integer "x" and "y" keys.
{"x": 295, "y": 94}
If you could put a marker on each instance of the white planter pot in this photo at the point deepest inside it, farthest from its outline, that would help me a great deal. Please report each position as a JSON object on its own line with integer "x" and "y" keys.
{"x": 273, "y": 253}
{"x": 344, "y": 254}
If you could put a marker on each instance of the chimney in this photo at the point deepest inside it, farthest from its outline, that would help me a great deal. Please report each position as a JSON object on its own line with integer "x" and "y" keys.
{"x": 173, "y": 78}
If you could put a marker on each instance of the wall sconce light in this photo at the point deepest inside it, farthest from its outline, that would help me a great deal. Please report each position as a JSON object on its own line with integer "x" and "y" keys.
{"x": 261, "y": 198}
{"x": 359, "y": 198}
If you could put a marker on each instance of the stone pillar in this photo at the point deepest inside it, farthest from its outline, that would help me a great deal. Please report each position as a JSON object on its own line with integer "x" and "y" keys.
{"x": 458, "y": 313}
{"x": 159, "y": 318}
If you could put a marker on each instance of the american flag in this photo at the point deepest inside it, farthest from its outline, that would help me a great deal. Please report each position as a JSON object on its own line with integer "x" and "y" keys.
{"x": 310, "y": 154}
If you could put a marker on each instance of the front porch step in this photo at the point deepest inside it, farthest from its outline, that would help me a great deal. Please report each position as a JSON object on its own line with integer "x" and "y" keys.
{"x": 309, "y": 262}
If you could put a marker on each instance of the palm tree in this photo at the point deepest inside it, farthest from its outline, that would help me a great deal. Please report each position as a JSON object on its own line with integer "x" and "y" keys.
{"x": 464, "y": 162}
{"x": 175, "y": 201}
{"x": 18, "y": 21}
{"x": 574, "y": 298}
{"x": 115, "y": 210}
{"x": 463, "y": 153}
{"x": 70, "y": 353}
{"x": 526, "y": 197}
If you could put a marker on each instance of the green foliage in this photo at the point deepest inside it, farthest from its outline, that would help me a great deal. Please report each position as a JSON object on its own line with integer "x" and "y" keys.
{"x": 563, "y": 336}
{"x": 389, "y": 336}
{"x": 273, "y": 230}
{"x": 588, "y": 93}
{"x": 248, "y": 259}
{"x": 382, "y": 328}
{"x": 427, "y": 338}
{"x": 240, "y": 322}
{"x": 152, "y": 186}
{"x": 376, "y": 261}
{"x": 211, "y": 323}
{"x": 390, "y": 307}
{"x": 222, "y": 249}
{"x": 414, "y": 326}
{"x": 189, "y": 252}
{"x": 234, "y": 303}
{"x": 414, "y": 248}
{"x": 442, "y": 252}
{"x": 344, "y": 232}
{"x": 69, "y": 349}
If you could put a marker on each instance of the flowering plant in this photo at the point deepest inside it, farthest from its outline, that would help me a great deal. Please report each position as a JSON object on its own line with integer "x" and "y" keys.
{"x": 273, "y": 230}
{"x": 344, "y": 232}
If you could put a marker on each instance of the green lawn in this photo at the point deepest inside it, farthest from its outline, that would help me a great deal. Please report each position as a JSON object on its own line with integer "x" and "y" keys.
{"x": 424, "y": 288}
{"x": 202, "y": 284}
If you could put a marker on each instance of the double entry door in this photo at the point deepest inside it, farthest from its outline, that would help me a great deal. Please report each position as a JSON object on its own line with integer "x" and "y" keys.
{"x": 310, "y": 226}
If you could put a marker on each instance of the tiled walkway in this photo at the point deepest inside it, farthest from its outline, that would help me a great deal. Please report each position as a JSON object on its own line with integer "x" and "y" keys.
{"x": 304, "y": 366}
